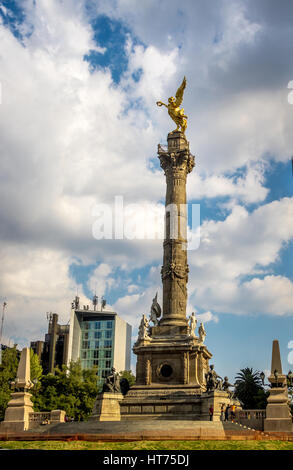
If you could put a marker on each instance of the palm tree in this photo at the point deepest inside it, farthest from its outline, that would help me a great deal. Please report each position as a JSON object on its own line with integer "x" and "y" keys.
{"x": 249, "y": 389}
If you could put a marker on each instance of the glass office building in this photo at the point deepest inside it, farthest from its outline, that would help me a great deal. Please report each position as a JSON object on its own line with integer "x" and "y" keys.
{"x": 101, "y": 339}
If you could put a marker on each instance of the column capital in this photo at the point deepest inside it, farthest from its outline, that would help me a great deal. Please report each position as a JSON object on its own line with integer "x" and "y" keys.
{"x": 178, "y": 162}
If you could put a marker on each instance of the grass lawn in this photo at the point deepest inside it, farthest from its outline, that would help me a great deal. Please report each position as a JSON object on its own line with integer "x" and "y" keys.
{"x": 149, "y": 445}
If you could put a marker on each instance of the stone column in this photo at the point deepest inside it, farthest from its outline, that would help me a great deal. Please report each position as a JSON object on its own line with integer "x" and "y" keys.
{"x": 216, "y": 399}
{"x": 278, "y": 416}
{"x": 177, "y": 162}
{"x": 20, "y": 406}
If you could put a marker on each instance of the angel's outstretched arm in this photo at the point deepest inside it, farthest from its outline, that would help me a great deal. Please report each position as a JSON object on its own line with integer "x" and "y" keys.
{"x": 160, "y": 103}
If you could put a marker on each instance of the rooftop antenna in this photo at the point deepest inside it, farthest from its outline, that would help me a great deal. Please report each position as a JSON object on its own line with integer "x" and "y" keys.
{"x": 95, "y": 301}
{"x": 49, "y": 316}
{"x": 103, "y": 303}
{"x": 75, "y": 304}
{"x": 1, "y": 330}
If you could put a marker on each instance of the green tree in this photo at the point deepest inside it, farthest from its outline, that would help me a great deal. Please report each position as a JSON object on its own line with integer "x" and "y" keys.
{"x": 261, "y": 399}
{"x": 8, "y": 370}
{"x": 36, "y": 368}
{"x": 249, "y": 389}
{"x": 72, "y": 389}
{"x": 127, "y": 379}
{"x": 127, "y": 374}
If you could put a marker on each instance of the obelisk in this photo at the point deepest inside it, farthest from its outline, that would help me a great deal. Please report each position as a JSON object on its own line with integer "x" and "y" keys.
{"x": 20, "y": 406}
{"x": 278, "y": 416}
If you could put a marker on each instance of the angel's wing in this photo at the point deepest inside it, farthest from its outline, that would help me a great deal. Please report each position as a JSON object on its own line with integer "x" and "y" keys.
{"x": 180, "y": 91}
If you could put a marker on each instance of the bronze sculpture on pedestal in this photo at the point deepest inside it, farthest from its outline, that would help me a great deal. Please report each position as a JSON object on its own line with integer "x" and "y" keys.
{"x": 174, "y": 110}
{"x": 112, "y": 382}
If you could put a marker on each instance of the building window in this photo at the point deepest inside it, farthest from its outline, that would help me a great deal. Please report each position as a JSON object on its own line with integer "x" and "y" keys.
{"x": 85, "y": 345}
{"x": 108, "y": 344}
{"x": 107, "y": 353}
{"x": 108, "y": 364}
{"x": 85, "y": 336}
{"x": 97, "y": 325}
{"x": 97, "y": 344}
{"x": 109, "y": 324}
{"x": 96, "y": 362}
{"x": 108, "y": 334}
{"x": 96, "y": 354}
{"x": 98, "y": 334}
{"x": 83, "y": 355}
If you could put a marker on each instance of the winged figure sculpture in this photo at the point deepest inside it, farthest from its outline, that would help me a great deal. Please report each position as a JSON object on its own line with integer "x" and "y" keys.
{"x": 174, "y": 110}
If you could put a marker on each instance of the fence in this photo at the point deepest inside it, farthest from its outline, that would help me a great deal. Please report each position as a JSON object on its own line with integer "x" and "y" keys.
{"x": 40, "y": 417}
{"x": 252, "y": 418}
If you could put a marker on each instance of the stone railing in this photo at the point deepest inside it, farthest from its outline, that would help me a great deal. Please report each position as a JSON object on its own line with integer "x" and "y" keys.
{"x": 252, "y": 418}
{"x": 38, "y": 418}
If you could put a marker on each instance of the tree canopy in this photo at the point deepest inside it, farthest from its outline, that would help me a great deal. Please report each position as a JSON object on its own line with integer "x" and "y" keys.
{"x": 249, "y": 389}
{"x": 8, "y": 370}
{"x": 127, "y": 379}
{"x": 36, "y": 368}
{"x": 127, "y": 374}
{"x": 72, "y": 389}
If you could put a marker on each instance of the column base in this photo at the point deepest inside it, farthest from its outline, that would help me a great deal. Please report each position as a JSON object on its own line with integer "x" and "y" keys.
{"x": 17, "y": 413}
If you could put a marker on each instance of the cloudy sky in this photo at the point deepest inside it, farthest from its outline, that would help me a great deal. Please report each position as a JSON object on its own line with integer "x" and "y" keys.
{"x": 79, "y": 127}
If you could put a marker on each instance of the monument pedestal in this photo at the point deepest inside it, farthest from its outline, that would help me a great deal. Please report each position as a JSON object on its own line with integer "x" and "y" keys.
{"x": 179, "y": 361}
{"x": 107, "y": 407}
{"x": 16, "y": 417}
{"x": 162, "y": 402}
{"x": 216, "y": 399}
{"x": 170, "y": 377}
{"x": 17, "y": 413}
{"x": 278, "y": 416}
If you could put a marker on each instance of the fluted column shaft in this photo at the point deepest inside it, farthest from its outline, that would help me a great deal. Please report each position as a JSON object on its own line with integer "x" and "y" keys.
{"x": 177, "y": 162}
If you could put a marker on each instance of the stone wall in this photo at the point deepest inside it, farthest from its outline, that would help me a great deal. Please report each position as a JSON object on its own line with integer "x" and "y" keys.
{"x": 37, "y": 418}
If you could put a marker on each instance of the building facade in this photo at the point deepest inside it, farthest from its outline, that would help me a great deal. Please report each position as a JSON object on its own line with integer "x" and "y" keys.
{"x": 53, "y": 352}
{"x": 99, "y": 338}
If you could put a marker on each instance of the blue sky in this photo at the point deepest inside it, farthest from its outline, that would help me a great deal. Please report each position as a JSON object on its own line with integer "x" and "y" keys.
{"x": 79, "y": 126}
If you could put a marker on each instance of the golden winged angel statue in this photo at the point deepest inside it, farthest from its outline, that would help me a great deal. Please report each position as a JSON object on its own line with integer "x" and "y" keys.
{"x": 174, "y": 110}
